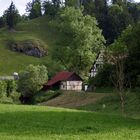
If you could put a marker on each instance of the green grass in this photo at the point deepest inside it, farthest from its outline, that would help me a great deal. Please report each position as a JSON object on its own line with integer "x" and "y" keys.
{"x": 37, "y": 29}
{"x": 132, "y": 105}
{"x": 104, "y": 90}
{"x": 41, "y": 123}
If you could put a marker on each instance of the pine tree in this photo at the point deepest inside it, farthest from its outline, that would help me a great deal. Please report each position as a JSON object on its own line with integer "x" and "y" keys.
{"x": 34, "y": 9}
{"x": 11, "y": 15}
{"x": 119, "y": 2}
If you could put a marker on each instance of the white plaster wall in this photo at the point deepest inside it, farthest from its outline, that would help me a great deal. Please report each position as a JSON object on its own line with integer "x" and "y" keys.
{"x": 71, "y": 85}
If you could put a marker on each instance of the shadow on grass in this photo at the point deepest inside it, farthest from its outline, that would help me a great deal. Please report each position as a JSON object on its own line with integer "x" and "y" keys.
{"x": 56, "y": 122}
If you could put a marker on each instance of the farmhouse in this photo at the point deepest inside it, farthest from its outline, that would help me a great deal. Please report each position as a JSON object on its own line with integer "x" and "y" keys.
{"x": 97, "y": 64}
{"x": 65, "y": 81}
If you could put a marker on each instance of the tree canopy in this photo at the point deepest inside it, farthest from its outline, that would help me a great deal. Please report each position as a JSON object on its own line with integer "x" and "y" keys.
{"x": 34, "y": 9}
{"x": 80, "y": 42}
{"x": 32, "y": 79}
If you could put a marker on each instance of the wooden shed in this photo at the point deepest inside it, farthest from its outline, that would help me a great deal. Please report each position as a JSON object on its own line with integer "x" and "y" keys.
{"x": 65, "y": 81}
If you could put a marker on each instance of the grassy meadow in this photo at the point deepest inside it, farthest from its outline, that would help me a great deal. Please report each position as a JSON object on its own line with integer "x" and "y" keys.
{"x": 112, "y": 105}
{"x": 37, "y": 29}
{"x": 19, "y": 122}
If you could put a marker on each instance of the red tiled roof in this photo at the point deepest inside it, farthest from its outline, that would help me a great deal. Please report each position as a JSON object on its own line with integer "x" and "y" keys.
{"x": 61, "y": 76}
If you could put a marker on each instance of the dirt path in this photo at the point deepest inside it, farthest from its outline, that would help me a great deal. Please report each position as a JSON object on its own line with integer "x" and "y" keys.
{"x": 72, "y": 100}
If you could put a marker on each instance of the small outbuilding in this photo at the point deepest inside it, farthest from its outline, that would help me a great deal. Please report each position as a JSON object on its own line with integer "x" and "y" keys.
{"x": 65, "y": 81}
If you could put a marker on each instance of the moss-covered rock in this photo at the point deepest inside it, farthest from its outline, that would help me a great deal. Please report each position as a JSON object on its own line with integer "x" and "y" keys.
{"x": 29, "y": 47}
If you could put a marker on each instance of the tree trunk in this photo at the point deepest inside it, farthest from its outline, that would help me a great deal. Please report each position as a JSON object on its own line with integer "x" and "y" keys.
{"x": 122, "y": 102}
{"x": 120, "y": 82}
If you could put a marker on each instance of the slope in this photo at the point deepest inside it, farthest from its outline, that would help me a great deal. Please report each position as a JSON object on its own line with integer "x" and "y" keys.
{"x": 98, "y": 102}
{"x": 37, "y": 29}
{"x": 71, "y": 99}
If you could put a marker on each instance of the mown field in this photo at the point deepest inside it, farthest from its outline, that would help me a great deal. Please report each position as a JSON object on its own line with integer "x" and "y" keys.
{"x": 19, "y": 122}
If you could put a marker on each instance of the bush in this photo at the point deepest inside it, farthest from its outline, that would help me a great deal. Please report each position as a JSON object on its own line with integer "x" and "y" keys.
{"x": 3, "y": 88}
{"x": 11, "y": 86}
{"x": 45, "y": 96}
{"x": 15, "y": 96}
{"x": 8, "y": 92}
{"x": 30, "y": 82}
{"x": 6, "y": 100}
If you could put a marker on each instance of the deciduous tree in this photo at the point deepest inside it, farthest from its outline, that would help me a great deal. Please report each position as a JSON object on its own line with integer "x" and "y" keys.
{"x": 81, "y": 40}
{"x": 31, "y": 80}
{"x": 116, "y": 55}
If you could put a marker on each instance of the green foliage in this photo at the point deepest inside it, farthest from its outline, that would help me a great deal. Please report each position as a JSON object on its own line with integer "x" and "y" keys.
{"x": 72, "y": 3}
{"x": 113, "y": 17}
{"x": 15, "y": 96}
{"x": 112, "y": 103}
{"x": 80, "y": 41}
{"x": 116, "y": 55}
{"x": 8, "y": 92}
{"x": 11, "y": 86}
{"x": 134, "y": 10}
{"x": 51, "y": 7}
{"x": 89, "y": 7}
{"x": 2, "y": 22}
{"x": 12, "y": 16}
{"x": 43, "y": 96}
{"x": 117, "y": 51}
{"x": 3, "y": 87}
{"x": 103, "y": 77}
{"x": 119, "y": 19}
{"x": 34, "y": 9}
{"x": 128, "y": 46}
{"x": 119, "y": 2}
{"x": 32, "y": 79}
{"x": 132, "y": 39}
{"x": 6, "y": 100}
{"x": 105, "y": 89}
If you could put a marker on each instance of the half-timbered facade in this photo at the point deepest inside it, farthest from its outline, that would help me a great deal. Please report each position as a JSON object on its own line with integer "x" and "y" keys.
{"x": 64, "y": 81}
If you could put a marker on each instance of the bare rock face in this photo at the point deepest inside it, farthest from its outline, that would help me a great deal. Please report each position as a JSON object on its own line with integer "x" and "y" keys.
{"x": 28, "y": 47}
